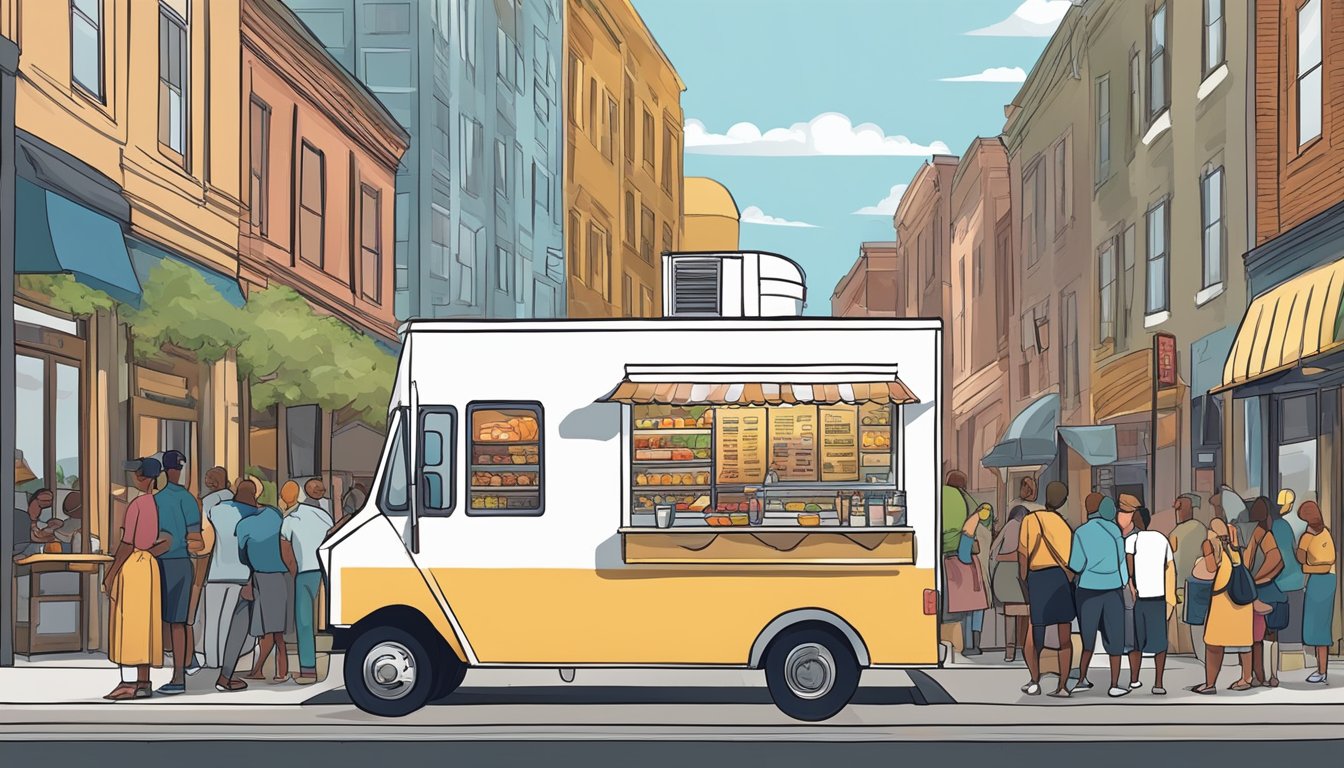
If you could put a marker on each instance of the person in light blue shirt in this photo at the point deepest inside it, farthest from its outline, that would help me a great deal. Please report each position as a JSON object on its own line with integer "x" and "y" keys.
{"x": 1098, "y": 558}
{"x": 262, "y": 548}
{"x": 1290, "y": 581}
{"x": 305, "y": 527}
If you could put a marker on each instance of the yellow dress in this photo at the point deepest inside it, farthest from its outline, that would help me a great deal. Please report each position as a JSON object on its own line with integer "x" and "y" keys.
{"x": 136, "y": 619}
{"x": 1229, "y": 625}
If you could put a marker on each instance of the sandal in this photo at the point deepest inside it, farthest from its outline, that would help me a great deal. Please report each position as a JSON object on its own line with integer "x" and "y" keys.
{"x": 1240, "y": 685}
{"x": 1273, "y": 682}
{"x": 1204, "y": 690}
{"x": 122, "y": 692}
{"x": 143, "y": 691}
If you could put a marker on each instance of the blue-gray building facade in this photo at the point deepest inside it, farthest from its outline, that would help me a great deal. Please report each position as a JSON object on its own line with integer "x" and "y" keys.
{"x": 477, "y": 83}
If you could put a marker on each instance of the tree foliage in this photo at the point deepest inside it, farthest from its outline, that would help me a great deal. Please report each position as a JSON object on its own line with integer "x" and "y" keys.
{"x": 177, "y": 306}
{"x": 67, "y": 294}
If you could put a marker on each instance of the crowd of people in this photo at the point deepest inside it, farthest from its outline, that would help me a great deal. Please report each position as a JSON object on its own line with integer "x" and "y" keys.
{"x": 222, "y": 574}
{"x": 1247, "y": 577}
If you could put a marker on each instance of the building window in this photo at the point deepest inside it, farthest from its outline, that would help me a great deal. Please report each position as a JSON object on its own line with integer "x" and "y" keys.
{"x": 1062, "y": 201}
{"x": 591, "y": 123}
{"x": 668, "y": 144}
{"x": 649, "y": 138}
{"x": 935, "y": 251}
{"x": 467, "y": 21}
{"x": 470, "y": 162}
{"x": 503, "y": 265}
{"x": 312, "y": 204}
{"x": 506, "y": 59}
{"x": 667, "y": 238}
{"x": 370, "y": 244}
{"x": 1213, "y": 35}
{"x": 259, "y": 165}
{"x": 1069, "y": 371}
{"x": 501, "y": 170}
{"x": 646, "y": 308}
{"x": 576, "y": 90}
{"x": 627, "y": 296}
{"x": 646, "y": 229}
{"x": 1157, "y": 62}
{"x": 1135, "y": 100}
{"x": 977, "y": 271}
{"x": 629, "y": 119}
{"x": 630, "y": 214}
{"x": 599, "y": 260}
{"x": 1033, "y": 214}
{"x": 1106, "y": 291}
{"x": 443, "y": 152}
{"x": 1309, "y": 104}
{"x": 1158, "y": 265}
{"x": 1128, "y": 252}
{"x": 468, "y": 254}
{"x": 1103, "y": 127}
{"x": 440, "y": 225}
{"x": 1003, "y": 281}
{"x": 960, "y": 350}
{"x": 501, "y": 434}
{"x": 173, "y": 62}
{"x": 1211, "y": 187}
{"x": 612, "y": 126}
{"x": 86, "y": 45}
{"x": 575, "y": 254}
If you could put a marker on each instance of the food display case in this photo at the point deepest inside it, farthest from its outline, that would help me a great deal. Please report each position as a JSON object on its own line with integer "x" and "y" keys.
{"x": 790, "y": 466}
{"x": 505, "y": 445}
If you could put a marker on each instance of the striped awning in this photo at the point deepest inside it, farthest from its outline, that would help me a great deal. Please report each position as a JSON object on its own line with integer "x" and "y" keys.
{"x": 1298, "y": 319}
{"x": 763, "y": 385}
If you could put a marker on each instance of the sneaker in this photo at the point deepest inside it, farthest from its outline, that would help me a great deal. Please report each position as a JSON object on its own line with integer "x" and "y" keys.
{"x": 171, "y": 689}
{"x": 1062, "y": 693}
{"x": 1137, "y": 684}
{"x": 1083, "y": 685}
{"x": 1316, "y": 678}
{"x": 230, "y": 686}
{"x": 1117, "y": 692}
{"x": 193, "y": 666}
{"x": 1032, "y": 689}
{"x": 1158, "y": 691}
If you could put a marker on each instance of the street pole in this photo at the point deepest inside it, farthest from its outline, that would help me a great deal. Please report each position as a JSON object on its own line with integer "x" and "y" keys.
{"x": 1152, "y": 434}
{"x": 9, "y": 62}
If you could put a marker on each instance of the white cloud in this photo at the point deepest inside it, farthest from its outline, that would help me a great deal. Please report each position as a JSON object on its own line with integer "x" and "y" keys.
{"x": 1033, "y": 18}
{"x": 754, "y": 215}
{"x": 887, "y": 205}
{"x": 992, "y": 75}
{"x": 829, "y": 133}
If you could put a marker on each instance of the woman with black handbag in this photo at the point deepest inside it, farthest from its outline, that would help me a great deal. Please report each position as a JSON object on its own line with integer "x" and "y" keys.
{"x": 1230, "y": 624}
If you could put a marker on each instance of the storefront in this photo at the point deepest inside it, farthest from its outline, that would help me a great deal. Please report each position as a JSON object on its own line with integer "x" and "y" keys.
{"x": 1122, "y": 396}
{"x": 772, "y": 458}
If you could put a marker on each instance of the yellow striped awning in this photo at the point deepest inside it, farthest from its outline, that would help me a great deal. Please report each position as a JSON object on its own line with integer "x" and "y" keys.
{"x": 1287, "y": 324}
{"x": 761, "y": 385}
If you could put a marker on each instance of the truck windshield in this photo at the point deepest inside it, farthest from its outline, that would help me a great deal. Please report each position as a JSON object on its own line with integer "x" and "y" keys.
{"x": 394, "y": 498}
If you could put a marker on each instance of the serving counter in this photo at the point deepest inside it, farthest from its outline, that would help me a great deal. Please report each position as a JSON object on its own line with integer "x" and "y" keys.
{"x": 770, "y": 545}
{"x": 50, "y": 591}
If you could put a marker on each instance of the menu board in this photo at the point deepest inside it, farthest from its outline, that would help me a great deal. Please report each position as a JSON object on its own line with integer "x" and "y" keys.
{"x": 793, "y": 442}
{"x": 739, "y": 445}
{"x": 839, "y": 443}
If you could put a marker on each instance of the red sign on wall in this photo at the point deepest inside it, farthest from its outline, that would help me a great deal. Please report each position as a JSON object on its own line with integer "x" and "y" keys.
{"x": 1165, "y": 344}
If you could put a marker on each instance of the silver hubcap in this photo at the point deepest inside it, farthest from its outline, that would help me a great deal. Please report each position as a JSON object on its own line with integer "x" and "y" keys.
{"x": 810, "y": 671}
{"x": 389, "y": 671}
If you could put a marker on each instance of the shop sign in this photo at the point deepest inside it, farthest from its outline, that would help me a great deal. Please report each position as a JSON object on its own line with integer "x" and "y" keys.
{"x": 1165, "y": 345}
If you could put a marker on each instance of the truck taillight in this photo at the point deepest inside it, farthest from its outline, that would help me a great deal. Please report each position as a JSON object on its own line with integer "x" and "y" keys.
{"x": 930, "y": 602}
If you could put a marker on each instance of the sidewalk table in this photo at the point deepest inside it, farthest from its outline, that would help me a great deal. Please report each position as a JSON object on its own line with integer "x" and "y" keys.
{"x": 54, "y": 593}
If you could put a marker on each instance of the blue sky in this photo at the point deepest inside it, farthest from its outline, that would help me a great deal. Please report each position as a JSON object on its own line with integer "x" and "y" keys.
{"x": 777, "y": 63}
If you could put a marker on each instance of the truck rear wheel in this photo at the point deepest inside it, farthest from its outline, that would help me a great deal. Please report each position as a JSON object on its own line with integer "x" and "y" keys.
{"x": 811, "y": 673}
{"x": 388, "y": 672}
{"x": 449, "y": 672}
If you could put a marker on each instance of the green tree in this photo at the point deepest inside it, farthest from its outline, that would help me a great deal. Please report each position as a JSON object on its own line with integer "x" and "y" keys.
{"x": 67, "y": 294}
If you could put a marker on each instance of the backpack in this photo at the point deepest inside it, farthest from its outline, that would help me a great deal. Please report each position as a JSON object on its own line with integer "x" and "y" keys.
{"x": 1240, "y": 586}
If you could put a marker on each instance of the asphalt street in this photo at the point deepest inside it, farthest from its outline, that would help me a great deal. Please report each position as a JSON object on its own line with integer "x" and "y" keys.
{"x": 679, "y": 754}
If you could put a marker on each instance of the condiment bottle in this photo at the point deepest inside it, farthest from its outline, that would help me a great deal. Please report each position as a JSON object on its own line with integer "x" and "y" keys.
{"x": 858, "y": 513}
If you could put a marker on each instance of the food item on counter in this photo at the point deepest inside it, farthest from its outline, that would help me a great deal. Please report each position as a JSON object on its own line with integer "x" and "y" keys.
{"x": 812, "y": 508}
{"x": 809, "y": 519}
{"x": 740, "y": 519}
{"x": 682, "y": 454}
{"x": 641, "y": 479}
{"x": 699, "y": 504}
{"x": 795, "y": 506}
{"x": 653, "y": 454}
{"x": 525, "y": 480}
{"x": 510, "y": 480}
{"x": 718, "y": 520}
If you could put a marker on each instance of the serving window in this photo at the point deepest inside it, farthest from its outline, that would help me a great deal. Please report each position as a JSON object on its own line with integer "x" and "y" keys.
{"x": 506, "y": 450}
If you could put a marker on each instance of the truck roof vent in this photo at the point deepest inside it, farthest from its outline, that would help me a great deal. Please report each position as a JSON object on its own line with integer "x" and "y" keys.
{"x": 696, "y": 286}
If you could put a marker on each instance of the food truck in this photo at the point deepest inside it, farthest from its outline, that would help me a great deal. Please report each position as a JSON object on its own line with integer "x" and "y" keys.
{"x": 700, "y": 493}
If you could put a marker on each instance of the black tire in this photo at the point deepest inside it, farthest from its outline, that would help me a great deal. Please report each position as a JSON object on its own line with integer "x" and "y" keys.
{"x": 396, "y": 699}
{"x": 833, "y": 689}
{"x": 448, "y": 675}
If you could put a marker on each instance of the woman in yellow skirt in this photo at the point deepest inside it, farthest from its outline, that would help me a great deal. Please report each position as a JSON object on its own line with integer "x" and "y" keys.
{"x": 1230, "y": 627}
{"x": 135, "y": 639}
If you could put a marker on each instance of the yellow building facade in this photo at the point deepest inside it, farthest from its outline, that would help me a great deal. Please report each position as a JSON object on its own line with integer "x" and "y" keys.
{"x": 623, "y": 168}
{"x": 712, "y": 220}
{"x": 128, "y": 133}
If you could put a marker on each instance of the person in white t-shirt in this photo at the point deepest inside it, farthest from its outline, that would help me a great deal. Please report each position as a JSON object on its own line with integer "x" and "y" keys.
{"x": 1152, "y": 574}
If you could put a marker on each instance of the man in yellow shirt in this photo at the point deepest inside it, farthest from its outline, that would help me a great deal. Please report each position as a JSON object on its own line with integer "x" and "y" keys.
{"x": 1044, "y": 545}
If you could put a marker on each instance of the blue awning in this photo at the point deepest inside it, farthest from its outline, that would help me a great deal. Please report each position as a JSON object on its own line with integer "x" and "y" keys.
{"x": 1095, "y": 444}
{"x": 1030, "y": 438}
{"x": 146, "y": 255}
{"x": 54, "y": 235}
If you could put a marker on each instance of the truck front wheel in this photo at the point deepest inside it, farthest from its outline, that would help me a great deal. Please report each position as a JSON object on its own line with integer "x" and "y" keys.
{"x": 811, "y": 673}
{"x": 389, "y": 672}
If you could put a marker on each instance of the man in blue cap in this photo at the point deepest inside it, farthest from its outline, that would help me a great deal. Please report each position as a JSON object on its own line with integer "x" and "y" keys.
{"x": 180, "y": 521}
